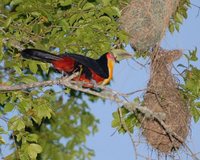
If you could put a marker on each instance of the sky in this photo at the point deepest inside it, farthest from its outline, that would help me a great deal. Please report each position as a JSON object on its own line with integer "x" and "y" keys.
{"x": 130, "y": 76}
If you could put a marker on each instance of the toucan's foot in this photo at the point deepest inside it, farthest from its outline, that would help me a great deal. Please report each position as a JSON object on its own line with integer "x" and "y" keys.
{"x": 96, "y": 89}
{"x": 95, "y": 86}
{"x": 94, "y": 83}
{"x": 64, "y": 75}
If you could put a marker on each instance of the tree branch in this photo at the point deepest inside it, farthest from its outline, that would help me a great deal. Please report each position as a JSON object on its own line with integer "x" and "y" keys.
{"x": 198, "y": 7}
{"x": 106, "y": 93}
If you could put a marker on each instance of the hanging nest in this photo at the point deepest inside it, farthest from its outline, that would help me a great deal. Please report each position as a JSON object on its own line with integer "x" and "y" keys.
{"x": 146, "y": 21}
{"x": 163, "y": 96}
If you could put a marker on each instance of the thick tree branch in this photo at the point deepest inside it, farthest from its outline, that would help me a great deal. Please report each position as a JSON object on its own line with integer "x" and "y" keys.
{"x": 106, "y": 93}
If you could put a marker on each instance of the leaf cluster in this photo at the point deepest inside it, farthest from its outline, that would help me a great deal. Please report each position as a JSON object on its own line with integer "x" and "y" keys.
{"x": 51, "y": 122}
{"x": 179, "y": 15}
{"x": 85, "y": 27}
{"x": 191, "y": 86}
{"x": 124, "y": 121}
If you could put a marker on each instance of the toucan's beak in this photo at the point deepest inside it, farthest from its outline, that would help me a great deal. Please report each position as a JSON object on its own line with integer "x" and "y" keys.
{"x": 116, "y": 60}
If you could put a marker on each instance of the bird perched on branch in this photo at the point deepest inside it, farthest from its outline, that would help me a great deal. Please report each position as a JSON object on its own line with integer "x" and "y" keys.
{"x": 92, "y": 71}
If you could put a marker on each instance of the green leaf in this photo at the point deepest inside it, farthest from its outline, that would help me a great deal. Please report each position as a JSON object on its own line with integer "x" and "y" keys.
{"x": 81, "y": 3}
{"x": 197, "y": 104}
{"x": 104, "y": 19}
{"x": 68, "y": 90}
{"x": 111, "y": 11}
{"x": 16, "y": 124}
{"x": 24, "y": 156}
{"x": 45, "y": 111}
{"x": 195, "y": 113}
{"x": 136, "y": 100}
{"x": 36, "y": 28}
{"x": 28, "y": 79}
{"x": 178, "y": 18}
{"x": 8, "y": 22}
{"x": 183, "y": 11}
{"x": 3, "y": 98}
{"x": 24, "y": 106}
{"x": 42, "y": 111}
{"x": 193, "y": 55}
{"x": 34, "y": 150}
{"x": 106, "y": 2}
{"x": 33, "y": 66}
{"x": 2, "y": 141}
{"x": 8, "y": 107}
{"x": 1, "y": 53}
{"x": 27, "y": 120}
{"x": 66, "y": 3}
{"x": 20, "y": 136}
{"x": 36, "y": 14}
{"x": 2, "y": 131}
{"x": 15, "y": 2}
{"x": 18, "y": 70}
{"x": 115, "y": 123}
{"x": 32, "y": 138}
{"x": 177, "y": 26}
{"x": 115, "y": 115}
{"x": 44, "y": 67}
{"x": 88, "y": 6}
{"x": 65, "y": 25}
{"x": 74, "y": 18}
{"x": 124, "y": 111}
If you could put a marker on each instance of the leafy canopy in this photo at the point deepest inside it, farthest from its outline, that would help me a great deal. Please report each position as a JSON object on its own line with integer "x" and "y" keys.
{"x": 51, "y": 122}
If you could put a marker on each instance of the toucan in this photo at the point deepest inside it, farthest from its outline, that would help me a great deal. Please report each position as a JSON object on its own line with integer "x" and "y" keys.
{"x": 92, "y": 71}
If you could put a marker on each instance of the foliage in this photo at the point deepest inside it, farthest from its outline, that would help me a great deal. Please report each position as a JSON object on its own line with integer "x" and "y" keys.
{"x": 124, "y": 121}
{"x": 51, "y": 122}
{"x": 191, "y": 85}
{"x": 179, "y": 15}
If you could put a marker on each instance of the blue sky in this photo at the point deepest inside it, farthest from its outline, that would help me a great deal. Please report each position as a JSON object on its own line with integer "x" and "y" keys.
{"x": 129, "y": 76}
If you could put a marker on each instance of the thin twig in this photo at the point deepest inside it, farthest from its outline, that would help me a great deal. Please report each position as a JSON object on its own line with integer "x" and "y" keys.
{"x": 134, "y": 92}
{"x": 196, "y": 7}
{"x": 105, "y": 94}
{"x": 123, "y": 124}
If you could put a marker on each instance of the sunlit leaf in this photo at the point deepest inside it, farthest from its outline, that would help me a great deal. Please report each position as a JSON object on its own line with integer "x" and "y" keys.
{"x": 16, "y": 123}
{"x": 65, "y": 3}
{"x": 8, "y": 107}
{"x": 195, "y": 113}
{"x": 2, "y": 141}
{"x": 32, "y": 138}
{"x": 33, "y": 66}
{"x": 88, "y": 6}
{"x": 34, "y": 150}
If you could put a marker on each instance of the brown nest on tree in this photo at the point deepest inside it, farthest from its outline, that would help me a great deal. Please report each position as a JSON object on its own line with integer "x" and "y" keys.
{"x": 147, "y": 21}
{"x": 163, "y": 96}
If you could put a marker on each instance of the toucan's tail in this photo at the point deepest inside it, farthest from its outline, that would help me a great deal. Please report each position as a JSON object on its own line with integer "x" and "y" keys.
{"x": 39, "y": 55}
